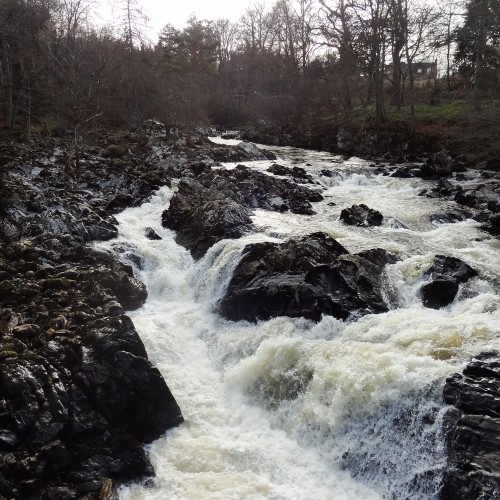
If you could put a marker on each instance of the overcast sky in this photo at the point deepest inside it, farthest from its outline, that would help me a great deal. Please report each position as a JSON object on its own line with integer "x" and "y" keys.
{"x": 177, "y": 12}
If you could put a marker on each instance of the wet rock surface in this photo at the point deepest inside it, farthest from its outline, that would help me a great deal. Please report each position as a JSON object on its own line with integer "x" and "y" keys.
{"x": 361, "y": 215}
{"x": 218, "y": 204}
{"x": 78, "y": 397}
{"x": 473, "y": 431}
{"x": 308, "y": 276}
{"x": 298, "y": 174}
{"x": 445, "y": 275}
{"x": 479, "y": 199}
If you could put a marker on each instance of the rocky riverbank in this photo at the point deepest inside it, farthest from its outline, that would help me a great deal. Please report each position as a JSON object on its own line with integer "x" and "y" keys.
{"x": 78, "y": 396}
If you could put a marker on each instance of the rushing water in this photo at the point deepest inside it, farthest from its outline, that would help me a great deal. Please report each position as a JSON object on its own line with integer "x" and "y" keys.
{"x": 290, "y": 409}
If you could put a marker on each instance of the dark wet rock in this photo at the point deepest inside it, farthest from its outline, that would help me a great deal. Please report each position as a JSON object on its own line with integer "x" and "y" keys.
{"x": 151, "y": 234}
{"x": 244, "y": 151}
{"x": 230, "y": 135}
{"x": 298, "y": 174}
{"x": 301, "y": 176}
{"x": 78, "y": 396}
{"x": 279, "y": 169}
{"x": 218, "y": 204}
{"x": 484, "y": 197}
{"x": 439, "y": 293}
{"x": 493, "y": 164}
{"x": 327, "y": 173}
{"x": 495, "y": 222}
{"x": 450, "y": 217}
{"x": 482, "y": 217}
{"x": 444, "y": 188}
{"x": 406, "y": 171}
{"x": 74, "y": 377}
{"x": 202, "y": 216}
{"x": 466, "y": 197}
{"x": 361, "y": 215}
{"x": 440, "y": 165}
{"x": 473, "y": 430}
{"x": 308, "y": 276}
{"x": 445, "y": 275}
{"x": 120, "y": 202}
{"x": 104, "y": 231}
{"x": 492, "y": 225}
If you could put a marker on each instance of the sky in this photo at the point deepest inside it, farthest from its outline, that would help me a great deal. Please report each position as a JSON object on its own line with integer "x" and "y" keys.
{"x": 177, "y": 12}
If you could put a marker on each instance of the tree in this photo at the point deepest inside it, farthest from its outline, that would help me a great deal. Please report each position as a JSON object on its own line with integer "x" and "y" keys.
{"x": 21, "y": 22}
{"x": 189, "y": 63}
{"x": 445, "y": 33}
{"x": 420, "y": 23}
{"x": 371, "y": 19}
{"x": 398, "y": 19}
{"x": 338, "y": 31}
{"x": 478, "y": 43}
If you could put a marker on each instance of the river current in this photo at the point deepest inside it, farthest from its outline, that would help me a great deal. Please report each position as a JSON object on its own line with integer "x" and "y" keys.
{"x": 291, "y": 409}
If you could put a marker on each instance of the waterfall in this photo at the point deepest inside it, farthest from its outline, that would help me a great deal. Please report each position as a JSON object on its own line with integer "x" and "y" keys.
{"x": 291, "y": 409}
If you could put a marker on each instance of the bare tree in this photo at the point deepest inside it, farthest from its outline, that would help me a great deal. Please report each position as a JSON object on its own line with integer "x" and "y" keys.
{"x": 338, "y": 32}
{"x": 226, "y": 33}
{"x": 421, "y": 18}
{"x": 450, "y": 12}
{"x": 397, "y": 28}
{"x": 371, "y": 19}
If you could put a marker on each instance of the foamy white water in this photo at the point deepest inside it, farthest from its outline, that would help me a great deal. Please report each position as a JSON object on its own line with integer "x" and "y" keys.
{"x": 290, "y": 409}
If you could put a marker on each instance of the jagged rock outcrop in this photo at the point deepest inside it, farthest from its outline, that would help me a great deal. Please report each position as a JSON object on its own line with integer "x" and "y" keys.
{"x": 78, "y": 396}
{"x": 298, "y": 174}
{"x": 473, "y": 431}
{"x": 445, "y": 275}
{"x": 481, "y": 198}
{"x": 361, "y": 215}
{"x": 308, "y": 276}
{"x": 151, "y": 234}
{"x": 217, "y": 205}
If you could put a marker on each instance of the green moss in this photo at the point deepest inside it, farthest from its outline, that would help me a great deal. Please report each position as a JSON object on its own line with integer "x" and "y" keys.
{"x": 7, "y": 353}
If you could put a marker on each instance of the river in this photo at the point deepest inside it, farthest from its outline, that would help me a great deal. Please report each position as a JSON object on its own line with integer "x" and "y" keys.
{"x": 291, "y": 409}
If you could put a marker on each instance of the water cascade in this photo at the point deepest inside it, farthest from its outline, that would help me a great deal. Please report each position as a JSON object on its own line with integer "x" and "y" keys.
{"x": 292, "y": 409}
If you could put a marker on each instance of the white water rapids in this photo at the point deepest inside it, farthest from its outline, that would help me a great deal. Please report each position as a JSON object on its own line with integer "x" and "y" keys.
{"x": 290, "y": 409}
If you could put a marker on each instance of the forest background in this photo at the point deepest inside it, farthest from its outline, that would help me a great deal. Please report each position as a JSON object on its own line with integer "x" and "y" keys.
{"x": 303, "y": 66}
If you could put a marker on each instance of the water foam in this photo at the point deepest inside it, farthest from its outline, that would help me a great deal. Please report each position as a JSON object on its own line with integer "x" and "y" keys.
{"x": 287, "y": 408}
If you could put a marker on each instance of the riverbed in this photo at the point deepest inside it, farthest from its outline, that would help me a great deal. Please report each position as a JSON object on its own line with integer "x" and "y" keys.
{"x": 292, "y": 409}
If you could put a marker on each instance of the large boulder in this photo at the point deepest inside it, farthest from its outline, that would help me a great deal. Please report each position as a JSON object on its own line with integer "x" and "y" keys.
{"x": 308, "y": 276}
{"x": 473, "y": 431}
{"x": 445, "y": 275}
{"x": 204, "y": 215}
{"x": 217, "y": 205}
{"x": 361, "y": 215}
{"x": 298, "y": 174}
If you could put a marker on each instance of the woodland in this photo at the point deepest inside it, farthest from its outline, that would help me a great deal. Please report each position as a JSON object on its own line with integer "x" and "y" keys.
{"x": 302, "y": 64}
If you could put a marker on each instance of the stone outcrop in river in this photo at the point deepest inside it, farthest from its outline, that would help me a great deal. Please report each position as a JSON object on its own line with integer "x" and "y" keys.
{"x": 308, "y": 276}
{"x": 217, "y": 204}
{"x": 445, "y": 275}
{"x": 361, "y": 215}
{"x": 78, "y": 395}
